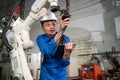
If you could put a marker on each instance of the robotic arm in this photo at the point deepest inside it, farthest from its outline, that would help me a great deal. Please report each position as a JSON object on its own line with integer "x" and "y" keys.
{"x": 38, "y": 10}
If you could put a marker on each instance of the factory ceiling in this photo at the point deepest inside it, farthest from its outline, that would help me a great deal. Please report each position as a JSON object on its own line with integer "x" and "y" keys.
{"x": 78, "y": 8}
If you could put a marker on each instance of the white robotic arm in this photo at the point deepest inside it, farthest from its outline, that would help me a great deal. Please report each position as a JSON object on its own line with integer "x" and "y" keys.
{"x": 38, "y": 10}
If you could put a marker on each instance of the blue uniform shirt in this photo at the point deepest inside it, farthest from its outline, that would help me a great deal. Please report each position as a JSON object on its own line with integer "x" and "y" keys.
{"x": 52, "y": 68}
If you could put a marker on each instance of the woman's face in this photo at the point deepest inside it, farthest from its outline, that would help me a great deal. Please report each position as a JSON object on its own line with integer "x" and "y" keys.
{"x": 49, "y": 27}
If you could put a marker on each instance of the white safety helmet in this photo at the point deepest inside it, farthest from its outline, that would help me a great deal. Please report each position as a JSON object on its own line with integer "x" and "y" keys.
{"x": 49, "y": 16}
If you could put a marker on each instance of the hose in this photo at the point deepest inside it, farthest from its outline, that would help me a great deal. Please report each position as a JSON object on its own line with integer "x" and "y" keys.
{"x": 4, "y": 38}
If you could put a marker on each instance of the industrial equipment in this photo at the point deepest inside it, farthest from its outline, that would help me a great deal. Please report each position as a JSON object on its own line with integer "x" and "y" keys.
{"x": 91, "y": 72}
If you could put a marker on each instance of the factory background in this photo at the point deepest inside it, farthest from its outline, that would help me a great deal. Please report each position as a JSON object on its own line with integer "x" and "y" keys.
{"x": 94, "y": 28}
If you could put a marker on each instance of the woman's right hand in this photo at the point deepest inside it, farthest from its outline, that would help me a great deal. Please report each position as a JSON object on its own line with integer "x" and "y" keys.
{"x": 63, "y": 23}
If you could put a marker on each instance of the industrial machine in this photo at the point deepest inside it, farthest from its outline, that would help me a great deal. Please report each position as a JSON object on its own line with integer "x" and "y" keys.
{"x": 91, "y": 72}
{"x": 110, "y": 77}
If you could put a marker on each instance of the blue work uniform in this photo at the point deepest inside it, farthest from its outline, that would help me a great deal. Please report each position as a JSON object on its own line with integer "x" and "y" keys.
{"x": 52, "y": 68}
